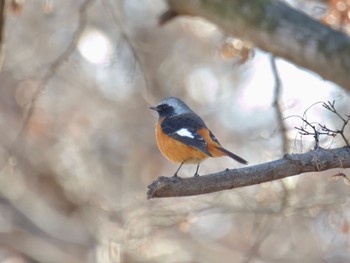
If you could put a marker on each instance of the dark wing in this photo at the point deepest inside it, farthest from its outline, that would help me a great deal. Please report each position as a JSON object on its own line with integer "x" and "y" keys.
{"x": 214, "y": 138}
{"x": 184, "y": 129}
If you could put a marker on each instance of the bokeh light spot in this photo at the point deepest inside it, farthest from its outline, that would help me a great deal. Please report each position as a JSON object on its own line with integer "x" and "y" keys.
{"x": 95, "y": 46}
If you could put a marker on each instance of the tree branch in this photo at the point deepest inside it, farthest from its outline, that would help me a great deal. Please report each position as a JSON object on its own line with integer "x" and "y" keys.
{"x": 51, "y": 72}
{"x": 2, "y": 30}
{"x": 289, "y": 165}
{"x": 277, "y": 105}
{"x": 2, "y": 23}
{"x": 57, "y": 63}
{"x": 275, "y": 27}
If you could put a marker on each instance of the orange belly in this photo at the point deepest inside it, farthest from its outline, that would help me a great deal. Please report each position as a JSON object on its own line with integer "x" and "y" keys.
{"x": 179, "y": 152}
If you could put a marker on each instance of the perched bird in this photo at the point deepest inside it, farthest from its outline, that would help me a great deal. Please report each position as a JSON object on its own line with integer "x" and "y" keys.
{"x": 182, "y": 136}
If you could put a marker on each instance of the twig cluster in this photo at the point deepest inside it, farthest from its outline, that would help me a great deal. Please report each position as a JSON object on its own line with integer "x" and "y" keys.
{"x": 321, "y": 129}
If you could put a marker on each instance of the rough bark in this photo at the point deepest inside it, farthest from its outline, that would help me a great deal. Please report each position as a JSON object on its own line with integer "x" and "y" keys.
{"x": 289, "y": 165}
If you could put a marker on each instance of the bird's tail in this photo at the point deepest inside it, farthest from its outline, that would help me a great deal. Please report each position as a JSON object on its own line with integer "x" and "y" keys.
{"x": 232, "y": 155}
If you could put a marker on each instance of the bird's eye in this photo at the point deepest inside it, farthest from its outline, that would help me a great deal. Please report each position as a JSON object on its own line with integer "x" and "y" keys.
{"x": 165, "y": 109}
{"x": 163, "y": 106}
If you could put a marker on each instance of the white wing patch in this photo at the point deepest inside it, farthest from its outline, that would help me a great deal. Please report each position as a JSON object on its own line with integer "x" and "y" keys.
{"x": 185, "y": 133}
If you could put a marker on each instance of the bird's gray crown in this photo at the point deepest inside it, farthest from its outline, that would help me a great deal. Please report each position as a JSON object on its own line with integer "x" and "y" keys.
{"x": 178, "y": 105}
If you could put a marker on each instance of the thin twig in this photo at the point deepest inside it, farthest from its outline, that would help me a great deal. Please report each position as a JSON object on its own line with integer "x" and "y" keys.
{"x": 322, "y": 129}
{"x": 277, "y": 104}
{"x": 331, "y": 107}
{"x": 129, "y": 40}
{"x": 316, "y": 134}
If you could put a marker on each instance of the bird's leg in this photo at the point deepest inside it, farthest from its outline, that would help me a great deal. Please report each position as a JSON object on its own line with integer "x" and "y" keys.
{"x": 196, "y": 174}
{"x": 175, "y": 174}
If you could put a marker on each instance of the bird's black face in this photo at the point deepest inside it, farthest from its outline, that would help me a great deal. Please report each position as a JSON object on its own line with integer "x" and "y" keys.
{"x": 164, "y": 110}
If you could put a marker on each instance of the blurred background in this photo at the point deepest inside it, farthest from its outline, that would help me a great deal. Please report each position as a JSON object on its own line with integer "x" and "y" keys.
{"x": 77, "y": 145}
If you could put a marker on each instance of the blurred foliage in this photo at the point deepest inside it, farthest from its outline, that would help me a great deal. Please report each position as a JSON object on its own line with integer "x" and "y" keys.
{"x": 78, "y": 149}
{"x": 338, "y": 14}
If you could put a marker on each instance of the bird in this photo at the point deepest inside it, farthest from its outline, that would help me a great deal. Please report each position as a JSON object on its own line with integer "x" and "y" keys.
{"x": 183, "y": 137}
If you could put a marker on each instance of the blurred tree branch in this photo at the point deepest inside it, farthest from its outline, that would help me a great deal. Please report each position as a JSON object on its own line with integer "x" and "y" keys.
{"x": 57, "y": 63}
{"x": 290, "y": 165}
{"x": 275, "y": 27}
{"x": 277, "y": 104}
{"x": 2, "y": 25}
{"x": 117, "y": 17}
{"x": 50, "y": 73}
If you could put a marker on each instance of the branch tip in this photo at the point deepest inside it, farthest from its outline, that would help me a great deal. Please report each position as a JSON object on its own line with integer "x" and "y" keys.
{"x": 159, "y": 185}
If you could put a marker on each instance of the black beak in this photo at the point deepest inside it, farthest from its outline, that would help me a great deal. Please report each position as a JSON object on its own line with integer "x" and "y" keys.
{"x": 154, "y": 108}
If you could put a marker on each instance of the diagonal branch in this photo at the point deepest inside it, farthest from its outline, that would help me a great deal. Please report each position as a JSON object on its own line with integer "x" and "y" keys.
{"x": 51, "y": 72}
{"x": 275, "y": 27}
{"x": 289, "y": 165}
{"x": 58, "y": 62}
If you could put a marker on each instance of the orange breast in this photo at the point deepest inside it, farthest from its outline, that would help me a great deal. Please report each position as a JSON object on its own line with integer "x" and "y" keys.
{"x": 176, "y": 151}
